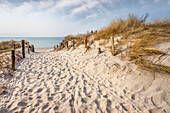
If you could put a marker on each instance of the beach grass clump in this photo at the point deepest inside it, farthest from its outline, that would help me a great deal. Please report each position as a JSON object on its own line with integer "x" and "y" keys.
{"x": 5, "y": 56}
{"x": 163, "y": 23}
{"x": 139, "y": 37}
{"x": 74, "y": 40}
{"x": 145, "y": 64}
{"x": 9, "y": 44}
{"x": 145, "y": 45}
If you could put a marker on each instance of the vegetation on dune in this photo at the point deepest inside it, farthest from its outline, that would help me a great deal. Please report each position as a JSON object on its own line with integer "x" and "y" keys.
{"x": 5, "y": 56}
{"x": 143, "y": 38}
{"x": 9, "y": 45}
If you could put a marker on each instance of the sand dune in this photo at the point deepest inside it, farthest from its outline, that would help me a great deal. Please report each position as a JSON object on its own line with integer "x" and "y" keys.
{"x": 74, "y": 81}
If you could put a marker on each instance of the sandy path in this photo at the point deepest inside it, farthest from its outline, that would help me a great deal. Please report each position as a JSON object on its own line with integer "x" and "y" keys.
{"x": 52, "y": 82}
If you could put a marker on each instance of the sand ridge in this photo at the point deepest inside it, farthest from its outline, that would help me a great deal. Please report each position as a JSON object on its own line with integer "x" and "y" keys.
{"x": 69, "y": 81}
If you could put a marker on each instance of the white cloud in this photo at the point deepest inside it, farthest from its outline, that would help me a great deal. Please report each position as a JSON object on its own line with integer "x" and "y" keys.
{"x": 85, "y": 7}
{"x": 68, "y": 3}
{"x": 91, "y": 6}
{"x": 52, "y": 6}
{"x": 5, "y": 6}
{"x": 44, "y": 17}
{"x": 92, "y": 16}
{"x": 25, "y": 7}
{"x": 52, "y": 16}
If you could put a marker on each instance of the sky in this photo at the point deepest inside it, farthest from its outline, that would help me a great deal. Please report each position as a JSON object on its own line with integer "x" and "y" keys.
{"x": 59, "y": 18}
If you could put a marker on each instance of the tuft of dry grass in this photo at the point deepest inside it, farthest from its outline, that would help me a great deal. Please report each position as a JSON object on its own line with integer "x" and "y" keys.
{"x": 144, "y": 46}
{"x": 151, "y": 67}
{"x": 152, "y": 51}
{"x": 79, "y": 42}
{"x": 9, "y": 44}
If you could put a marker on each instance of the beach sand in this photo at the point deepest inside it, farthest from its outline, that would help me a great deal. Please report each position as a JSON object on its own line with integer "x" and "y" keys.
{"x": 46, "y": 49}
{"x": 75, "y": 81}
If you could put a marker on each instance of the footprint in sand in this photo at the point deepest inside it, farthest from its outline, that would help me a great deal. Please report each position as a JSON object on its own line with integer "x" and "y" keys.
{"x": 31, "y": 110}
{"x": 30, "y": 98}
{"x": 22, "y": 104}
{"x": 56, "y": 107}
{"x": 39, "y": 90}
{"x": 45, "y": 106}
{"x": 38, "y": 97}
{"x": 50, "y": 98}
{"x": 30, "y": 90}
{"x": 133, "y": 97}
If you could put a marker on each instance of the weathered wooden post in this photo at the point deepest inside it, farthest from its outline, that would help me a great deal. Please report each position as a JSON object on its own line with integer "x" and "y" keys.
{"x": 23, "y": 48}
{"x": 61, "y": 45}
{"x": 85, "y": 42}
{"x": 57, "y": 46}
{"x": 28, "y": 47}
{"x": 13, "y": 59}
{"x": 32, "y": 48}
{"x": 73, "y": 43}
{"x": 113, "y": 47}
{"x": 99, "y": 51}
{"x": 67, "y": 44}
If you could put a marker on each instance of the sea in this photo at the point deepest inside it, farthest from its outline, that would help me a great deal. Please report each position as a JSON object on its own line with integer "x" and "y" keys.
{"x": 38, "y": 42}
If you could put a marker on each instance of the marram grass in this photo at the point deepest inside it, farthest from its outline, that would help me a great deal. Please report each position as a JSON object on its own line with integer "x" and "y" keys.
{"x": 143, "y": 38}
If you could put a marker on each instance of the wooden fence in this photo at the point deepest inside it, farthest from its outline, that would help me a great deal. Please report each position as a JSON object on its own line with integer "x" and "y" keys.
{"x": 13, "y": 50}
{"x": 73, "y": 43}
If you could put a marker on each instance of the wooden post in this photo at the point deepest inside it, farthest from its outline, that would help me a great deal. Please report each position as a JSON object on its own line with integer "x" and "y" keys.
{"x": 23, "y": 48}
{"x": 13, "y": 59}
{"x": 57, "y": 46}
{"x": 113, "y": 47}
{"x": 85, "y": 42}
{"x": 61, "y": 45}
{"x": 32, "y": 48}
{"x": 99, "y": 51}
{"x": 73, "y": 43}
{"x": 28, "y": 47}
{"x": 67, "y": 44}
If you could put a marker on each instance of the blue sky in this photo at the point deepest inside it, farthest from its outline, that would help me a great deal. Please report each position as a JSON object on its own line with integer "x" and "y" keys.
{"x": 63, "y": 17}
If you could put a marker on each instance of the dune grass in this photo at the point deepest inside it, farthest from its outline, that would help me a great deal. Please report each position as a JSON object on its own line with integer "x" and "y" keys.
{"x": 4, "y": 45}
{"x": 5, "y": 56}
{"x": 143, "y": 38}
